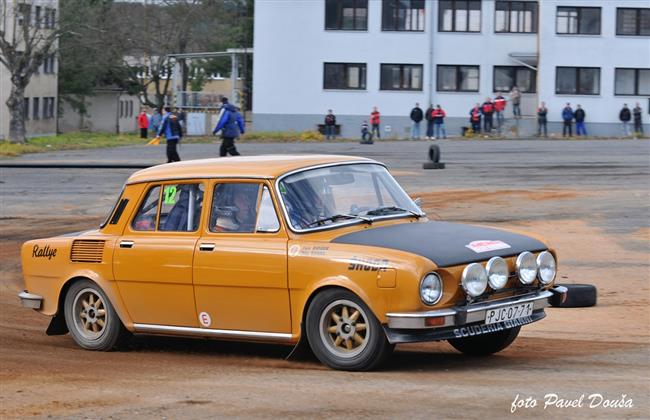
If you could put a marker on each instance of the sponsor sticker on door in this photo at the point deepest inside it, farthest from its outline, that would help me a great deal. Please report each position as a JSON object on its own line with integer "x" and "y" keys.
{"x": 486, "y": 246}
{"x": 204, "y": 319}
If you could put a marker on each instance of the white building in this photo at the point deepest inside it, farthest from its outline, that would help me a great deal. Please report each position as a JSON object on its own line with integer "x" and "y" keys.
{"x": 351, "y": 55}
{"x": 41, "y": 94}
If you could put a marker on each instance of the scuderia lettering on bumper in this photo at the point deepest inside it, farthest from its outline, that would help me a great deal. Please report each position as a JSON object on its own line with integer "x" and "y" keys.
{"x": 472, "y": 330}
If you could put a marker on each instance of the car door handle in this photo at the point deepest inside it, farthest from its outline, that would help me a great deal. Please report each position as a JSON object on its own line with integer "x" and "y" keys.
{"x": 126, "y": 244}
{"x": 207, "y": 247}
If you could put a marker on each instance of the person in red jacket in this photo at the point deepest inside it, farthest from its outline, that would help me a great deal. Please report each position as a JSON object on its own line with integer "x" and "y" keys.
{"x": 143, "y": 123}
{"x": 438, "y": 115}
{"x": 475, "y": 118}
{"x": 375, "y": 121}
{"x": 499, "y": 108}
{"x": 487, "y": 109}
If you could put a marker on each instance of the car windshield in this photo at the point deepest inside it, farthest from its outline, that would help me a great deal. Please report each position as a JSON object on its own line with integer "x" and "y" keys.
{"x": 343, "y": 194}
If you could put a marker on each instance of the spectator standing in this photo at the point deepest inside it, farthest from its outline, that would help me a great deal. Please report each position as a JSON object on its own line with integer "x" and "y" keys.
{"x": 567, "y": 118}
{"x": 416, "y": 116}
{"x": 375, "y": 120}
{"x": 439, "y": 115}
{"x": 542, "y": 111}
{"x": 330, "y": 125}
{"x": 487, "y": 109}
{"x": 475, "y": 118}
{"x": 173, "y": 132}
{"x": 429, "y": 117}
{"x": 156, "y": 120}
{"x": 499, "y": 108}
{"x": 143, "y": 123}
{"x": 638, "y": 124}
{"x": 231, "y": 124}
{"x": 579, "y": 116}
{"x": 515, "y": 99}
{"x": 625, "y": 116}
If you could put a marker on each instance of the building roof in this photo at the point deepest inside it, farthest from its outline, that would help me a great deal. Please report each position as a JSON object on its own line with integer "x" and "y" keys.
{"x": 266, "y": 167}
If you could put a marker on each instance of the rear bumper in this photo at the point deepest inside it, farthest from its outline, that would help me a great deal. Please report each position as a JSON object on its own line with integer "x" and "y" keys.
{"x": 30, "y": 300}
{"x": 462, "y": 321}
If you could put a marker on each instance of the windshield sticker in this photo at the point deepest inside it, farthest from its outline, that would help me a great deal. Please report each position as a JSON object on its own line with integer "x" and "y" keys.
{"x": 368, "y": 264}
{"x": 283, "y": 189}
{"x": 47, "y": 252}
{"x": 170, "y": 194}
{"x": 486, "y": 246}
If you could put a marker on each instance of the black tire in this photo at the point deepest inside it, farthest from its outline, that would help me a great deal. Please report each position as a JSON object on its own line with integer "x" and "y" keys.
{"x": 434, "y": 153}
{"x": 91, "y": 319}
{"x": 321, "y": 315}
{"x": 433, "y": 165}
{"x": 579, "y": 296}
{"x": 485, "y": 344}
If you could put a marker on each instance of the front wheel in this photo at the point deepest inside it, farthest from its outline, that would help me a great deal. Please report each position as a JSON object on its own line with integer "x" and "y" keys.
{"x": 486, "y": 344}
{"x": 91, "y": 319}
{"x": 343, "y": 333}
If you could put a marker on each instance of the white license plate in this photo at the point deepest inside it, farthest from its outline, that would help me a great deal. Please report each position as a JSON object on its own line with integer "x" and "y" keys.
{"x": 507, "y": 313}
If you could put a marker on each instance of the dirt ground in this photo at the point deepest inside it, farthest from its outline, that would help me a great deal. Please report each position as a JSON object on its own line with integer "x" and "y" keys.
{"x": 601, "y": 350}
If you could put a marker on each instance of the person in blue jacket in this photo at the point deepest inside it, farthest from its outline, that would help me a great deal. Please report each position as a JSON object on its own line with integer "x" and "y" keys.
{"x": 231, "y": 124}
{"x": 173, "y": 132}
{"x": 567, "y": 117}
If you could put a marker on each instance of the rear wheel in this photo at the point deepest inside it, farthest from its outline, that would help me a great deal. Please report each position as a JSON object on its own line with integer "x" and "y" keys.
{"x": 91, "y": 319}
{"x": 343, "y": 333}
{"x": 485, "y": 344}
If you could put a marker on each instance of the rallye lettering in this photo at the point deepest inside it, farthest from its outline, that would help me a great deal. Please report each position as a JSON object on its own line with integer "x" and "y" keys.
{"x": 46, "y": 252}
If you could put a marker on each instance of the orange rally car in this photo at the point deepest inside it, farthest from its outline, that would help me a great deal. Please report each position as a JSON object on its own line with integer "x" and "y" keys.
{"x": 324, "y": 250}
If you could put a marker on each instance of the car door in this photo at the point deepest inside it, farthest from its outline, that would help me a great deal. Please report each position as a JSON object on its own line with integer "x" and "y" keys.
{"x": 240, "y": 262}
{"x": 152, "y": 263}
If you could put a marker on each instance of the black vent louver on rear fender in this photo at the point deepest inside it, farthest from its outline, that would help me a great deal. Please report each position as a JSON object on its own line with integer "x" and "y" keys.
{"x": 87, "y": 250}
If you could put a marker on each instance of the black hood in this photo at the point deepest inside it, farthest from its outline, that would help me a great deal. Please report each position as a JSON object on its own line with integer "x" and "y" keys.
{"x": 446, "y": 244}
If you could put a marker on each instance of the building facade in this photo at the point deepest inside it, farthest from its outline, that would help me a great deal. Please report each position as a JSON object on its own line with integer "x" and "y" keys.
{"x": 41, "y": 94}
{"x": 352, "y": 55}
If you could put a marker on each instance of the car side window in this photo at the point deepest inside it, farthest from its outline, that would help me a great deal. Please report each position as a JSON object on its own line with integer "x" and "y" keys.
{"x": 234, "y": 207}
{"x": 145, "y": 219}
{"x": 180, "y": 209}
{"x": 268, "y": 218}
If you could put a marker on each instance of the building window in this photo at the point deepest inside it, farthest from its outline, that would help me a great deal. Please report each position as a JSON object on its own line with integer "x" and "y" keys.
{"x": 506, "y": 77}
{"x": 37, "y": 16}
{"x": 634, "y": 82}
{"x": 577, "y": 80}
{"x": 48, "y": 64}
{"x": 349, "y": 15}
{"x": 121, "y": 109}
{"x": 402, "y": 15}
{"x": 401, "y": 77}
{"x": 515, "y": 17}
{"x": 24, "y": 14}
{"x": 35, "y": 108}
{"x": 344, "y": 76}
{"x": 48, "y": 108}
{"x": 458, "y": 78}
{"x": 578, "y": 20}
{"x": 634, "y": 22}
{"x": 459, "y": 16}
{"x": 26, "y": 108}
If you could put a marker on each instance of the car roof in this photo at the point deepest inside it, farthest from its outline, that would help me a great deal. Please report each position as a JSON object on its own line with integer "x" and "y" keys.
{"x": 265, "y": 167}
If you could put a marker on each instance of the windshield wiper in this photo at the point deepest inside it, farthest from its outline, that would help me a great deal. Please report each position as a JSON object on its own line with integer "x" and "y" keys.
{"x": 335, "y": 217}
{"x": 391, "y": 209}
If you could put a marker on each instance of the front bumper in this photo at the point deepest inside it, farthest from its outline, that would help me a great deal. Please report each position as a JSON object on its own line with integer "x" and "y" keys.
{"x": 30, "y": 300}
{"x": 460, "y": 321}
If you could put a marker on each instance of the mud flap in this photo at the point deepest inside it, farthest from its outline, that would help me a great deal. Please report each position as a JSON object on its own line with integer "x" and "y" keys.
{"x": 57, "y": 325}
{"x": 301, "y": 351}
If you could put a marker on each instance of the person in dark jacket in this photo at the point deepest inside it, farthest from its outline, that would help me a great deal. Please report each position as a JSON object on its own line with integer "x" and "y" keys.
{"x": 330, "y": 125}
{"x": 638, "y": 124}
{"x": 542, "y": 112}
{"x": 625, "y": 116}
{"x": 171, "y": 128}
{"x": 567, "y": 118}
{"x": 416, "y": 116}
{"x": 231, "y": 124}
{"x": 579, "y": 116}
{"x": 429, "y": 118}
{"x": 475, "y": 118}
{"x": 487, "y": 109}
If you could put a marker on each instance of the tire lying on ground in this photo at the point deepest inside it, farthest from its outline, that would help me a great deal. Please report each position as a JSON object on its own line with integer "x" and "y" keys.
{"x": 579, "y": 296}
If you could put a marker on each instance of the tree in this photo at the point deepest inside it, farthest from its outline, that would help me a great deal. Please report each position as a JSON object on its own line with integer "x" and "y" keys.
{"x": 26, "y": 40}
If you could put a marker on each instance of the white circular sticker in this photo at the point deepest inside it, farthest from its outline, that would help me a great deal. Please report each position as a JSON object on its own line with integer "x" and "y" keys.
{"x": 204, "y": 319}
{"x": 294, "y": 250}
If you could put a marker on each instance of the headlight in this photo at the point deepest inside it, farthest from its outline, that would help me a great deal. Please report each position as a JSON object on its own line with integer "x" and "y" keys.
{"x": 431, "y": 289}
{"x": 546, "y": 267}
{"x": 497, "y": 272}
{"x": 474, "y": 279}
{"x": 526, "y": 267}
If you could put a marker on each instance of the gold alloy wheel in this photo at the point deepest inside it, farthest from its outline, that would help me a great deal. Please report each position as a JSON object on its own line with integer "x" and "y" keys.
{"x": 89, "y": 313}
{"x": 344, "y": 328}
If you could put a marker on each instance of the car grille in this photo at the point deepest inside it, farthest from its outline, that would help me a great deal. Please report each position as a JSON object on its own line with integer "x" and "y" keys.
{"x": 85, "y": 250}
